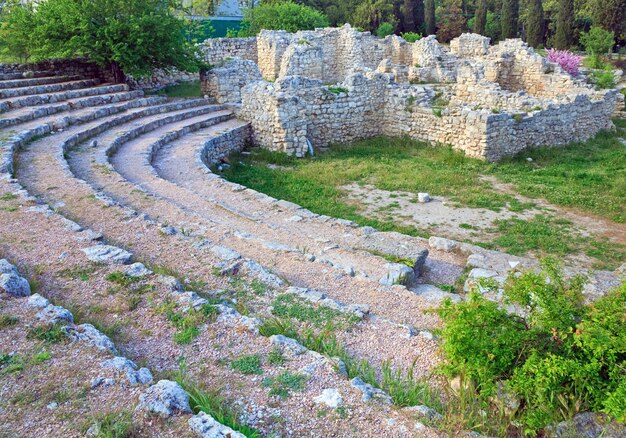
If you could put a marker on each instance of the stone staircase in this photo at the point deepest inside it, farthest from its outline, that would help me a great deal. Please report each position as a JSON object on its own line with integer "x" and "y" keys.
{"x": 98, "y": 173}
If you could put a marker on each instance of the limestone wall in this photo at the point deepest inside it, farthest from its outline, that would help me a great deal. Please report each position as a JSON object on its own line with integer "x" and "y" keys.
{"x": 216, "y": 50}
{"x": 487, "y": 101}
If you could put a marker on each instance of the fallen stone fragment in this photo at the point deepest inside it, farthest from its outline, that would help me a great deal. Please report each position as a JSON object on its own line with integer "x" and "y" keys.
{"x": 165, "y": 398}
{"x": 206, "y": 426}
{"x": 15, "y": 285}
{"x": 137, "y": 270}
{"x": 54, "y": 314}
{"x": 108, "y": 254}
{"x": 37, "y": 301}
{"x": 397, "y": 273}
{"x": 433, "y": 293}
{"x": 330, "y": 397}
{"x": 442, "y": 244}
{"x": 90, "y": 335}
{"x": 7, "y": 268}
{"x": 424, "y": 411}
{"x": 225, "y": 254}
{"x": 423, "y": 197}
{"x": 588, "y": 425}
{"x": 286, "y": 343}
{"x": 369, "y": 392}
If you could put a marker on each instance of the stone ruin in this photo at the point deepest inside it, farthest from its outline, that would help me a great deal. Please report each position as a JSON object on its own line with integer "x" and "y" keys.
{"x": 336, "y": 85}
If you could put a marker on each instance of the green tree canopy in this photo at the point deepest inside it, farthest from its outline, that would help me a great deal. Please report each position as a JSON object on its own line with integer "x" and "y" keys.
{"x": 126, "y": 36}
{"x": 286, "y": 15}
{"x": 534, "y": 24}
{"x": 564, "y": 36}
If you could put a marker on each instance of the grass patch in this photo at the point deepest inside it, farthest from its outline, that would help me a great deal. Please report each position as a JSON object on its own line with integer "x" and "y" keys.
{"x": 78, "y": 273}
{"x": 291, "y": 306}
{"x": 114, "y": 425}
{"x": 188, "y": 324}
{"x": 283, "y": 384}
{"x": 589, "y": 176}
{"x": 184, "y": 90}
{"x": 212, "y": 403}
{"x": 250, "y": 364}
{"x": 275, "y": 357}
{"x": 8, "y": 321}
{"x": 50, "y": 333}
{"x": 121, "y": 279}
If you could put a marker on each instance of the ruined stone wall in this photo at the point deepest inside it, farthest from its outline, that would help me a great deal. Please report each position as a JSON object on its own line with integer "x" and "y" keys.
{"x": 490, "y": 102}
{"x": 216, "y": 50}
{"x": 225, "y": 83}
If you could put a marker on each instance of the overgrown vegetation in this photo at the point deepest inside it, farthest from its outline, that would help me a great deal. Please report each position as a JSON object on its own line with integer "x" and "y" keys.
{"x": 183, "y": 90}
{"x": 285, "y": 383}
{"x": 284, "y": 15}
{"x": 188, "y": 323}
{"x": 559, "y": 358}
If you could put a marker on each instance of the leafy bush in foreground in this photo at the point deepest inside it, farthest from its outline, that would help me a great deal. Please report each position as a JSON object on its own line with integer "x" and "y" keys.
{"x": 561, "y": 357}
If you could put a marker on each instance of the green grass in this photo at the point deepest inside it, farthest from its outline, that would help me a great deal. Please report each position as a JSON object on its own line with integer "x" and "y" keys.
{"x": 184, "y": 90}
{"x": 188, "y": 324}
{"x": 114, "y": 424}
{"x": 291, "y": 306}
{"x": 250, "y": 364}
{"x": 8, "y": 321}
{"x": 286, "y": 382}
{"x": 50, "y": 333}
{"x": 589, "y": 177}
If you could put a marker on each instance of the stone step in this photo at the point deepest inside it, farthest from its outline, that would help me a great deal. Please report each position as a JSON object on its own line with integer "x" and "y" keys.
{"x": 52, "y": 88}
{"x": 20, "y": 75}
{"x": 28, "y": 114}
{"x": 33, "y": 82}
{"x": 40, "y": 99}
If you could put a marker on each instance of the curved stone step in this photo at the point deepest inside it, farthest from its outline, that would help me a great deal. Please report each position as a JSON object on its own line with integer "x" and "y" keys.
{"x": 20, "y": 75}
{"x": 39, "y": 99}
{"x": 27, "y": 114}
{"x": 33, "y": 82}
{"x": 41, "y": 89}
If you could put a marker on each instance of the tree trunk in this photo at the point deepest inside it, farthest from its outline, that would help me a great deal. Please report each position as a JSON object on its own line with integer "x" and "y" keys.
{"x": 116, "y": 72}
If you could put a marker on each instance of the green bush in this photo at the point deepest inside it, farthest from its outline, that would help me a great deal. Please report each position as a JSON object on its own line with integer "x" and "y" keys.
{"x": 385, "y": 29}
{"x": 597, "y": 42}
{"x": 288, "y": 16}
{"x": 124, "y": 36}
{"x": 411, "y": 37}
{"x": 561, "y": 357}
{"x": 603, "y": 78}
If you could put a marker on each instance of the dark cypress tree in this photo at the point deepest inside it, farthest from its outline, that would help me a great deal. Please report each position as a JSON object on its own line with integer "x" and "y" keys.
{"x": 408, "y": 16}
{"x": 564, "y": 36}
{"x": 481, "y": 17}
{"x": 419, "y": 16}
{"x": 534, "y": 26}
{"x": 429, "y": 17}
{"x": 508, "y": 18}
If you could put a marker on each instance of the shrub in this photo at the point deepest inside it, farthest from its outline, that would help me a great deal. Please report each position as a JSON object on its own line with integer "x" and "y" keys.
{"x": 288, "y": 16}
{"x": 597, "y": 41}
{"x": 562, "y": 356}
{"x": 566, "y": 59}
{"x": 603, "y": 78}
{"x": 411, "y": 37}
{"x": 385, "y": 29}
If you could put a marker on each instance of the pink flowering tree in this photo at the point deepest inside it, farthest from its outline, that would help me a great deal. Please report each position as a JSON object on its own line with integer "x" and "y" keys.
{"x": 566, "y": 59}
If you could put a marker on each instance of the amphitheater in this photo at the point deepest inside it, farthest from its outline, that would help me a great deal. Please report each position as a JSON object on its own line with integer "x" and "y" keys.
{"x": 99, "y": 179}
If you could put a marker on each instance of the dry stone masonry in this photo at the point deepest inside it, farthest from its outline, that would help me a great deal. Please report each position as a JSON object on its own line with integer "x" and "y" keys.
{"x": 488, "y": 101}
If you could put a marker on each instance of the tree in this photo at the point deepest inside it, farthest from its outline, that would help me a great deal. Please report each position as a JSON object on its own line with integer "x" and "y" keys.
{"x": 17, "y": 23}
{"x": 125, "y": 36}
{"x": 408, "y": 15}
{"x": 453, "y": 23}
{"x": 370, "y": 14}
{"x": 429, "y": 17}
{"x": 481, "y": 17}
{"x": 534, "y": 24}
{"x": 610, "y": 15}
{"x": 288, "y": 16}
{"x": 509, "y": 19}
{"x": 564, "y": 36}
{"x": 597, "y": 42}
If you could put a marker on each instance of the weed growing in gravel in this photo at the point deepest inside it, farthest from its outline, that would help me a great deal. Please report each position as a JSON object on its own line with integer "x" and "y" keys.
{"x": 8, "y": 197}
{"x": 211, "y": 402}
{"x": 11, "y": 363}
{"x": 50, "y": 333}
{"x": 78, "y": 273}
{"x": 8, "y": 321}
{"x": 42, "y": 356}
{"x": 275, "y": 357}
{"x": 113, "y": 425}
{"x": 121, "y": 279}
{"x": 292, "y": 306}
{"x": 188, "y": 323}
{"x": 283, "y": 384}
{"x": 250, "y": 364}
{"x": 394, "y": 259}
